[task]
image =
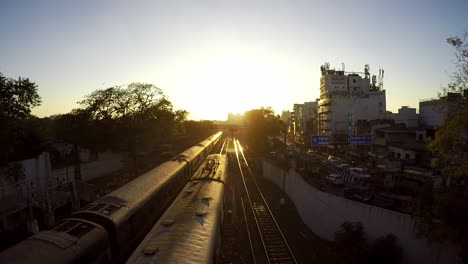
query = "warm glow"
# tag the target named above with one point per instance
(234, 82)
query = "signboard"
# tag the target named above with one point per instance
(320, 140)
(360, 140)
(338, 79)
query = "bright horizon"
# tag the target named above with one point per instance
(214, 57)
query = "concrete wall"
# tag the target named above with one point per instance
(323, 213)
(108, 162)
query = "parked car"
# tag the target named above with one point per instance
(335, 179)
(361, 194)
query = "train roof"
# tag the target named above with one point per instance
(187, 231)
(214, 167)
(71, 241)
(135, 192)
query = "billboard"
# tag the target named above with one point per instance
(320, 140)
(360, 140)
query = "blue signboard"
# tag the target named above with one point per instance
(320, 140)
(360, 140)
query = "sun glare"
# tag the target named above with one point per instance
(236, 83)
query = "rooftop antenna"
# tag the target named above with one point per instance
(342, 65)
(366, 71)
(381, 75)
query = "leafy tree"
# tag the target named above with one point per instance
(385, 250)
(135, 118)
(261, 123)
(350, 243)
(451, 140)
(17, 140)
(17, 97)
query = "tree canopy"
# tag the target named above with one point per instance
(17, 139)
(261, 123)
(17, 97)
(133, 117)
(450, 145)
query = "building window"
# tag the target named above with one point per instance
(354, 80)
(398, 155)
(407, 156)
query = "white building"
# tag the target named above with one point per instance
(407, 116)
(297, 118)
(345, 99)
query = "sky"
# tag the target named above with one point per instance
(211, 57)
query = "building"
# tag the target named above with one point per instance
(297, 119)
(400, 143)
(406, 115)
(309, 118)
(432, 111)
(346, 98)
(287, 118)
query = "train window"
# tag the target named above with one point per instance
(110, 209)
(63, 227)
(97, 207)
(80, 230)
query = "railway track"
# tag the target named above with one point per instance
(273, 241)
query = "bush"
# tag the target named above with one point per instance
(351, 246)
(385, 250)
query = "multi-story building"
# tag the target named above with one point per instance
(432, 111)
(347, 98)
(287, 118)
(309, 118)
(297, 119)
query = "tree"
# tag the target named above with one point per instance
(451, 140)
(261, 123)
(134, 118)
(385, 250)
(350, 243)
(17, 97)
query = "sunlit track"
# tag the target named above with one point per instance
(224, 147)
(274, 243)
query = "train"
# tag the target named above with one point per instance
(189, 230)
(110, 228)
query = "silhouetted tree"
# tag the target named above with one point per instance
(385, 250)
(135, 117)
(17, 97)
(451, 140)
(350, 243)
(261, 123)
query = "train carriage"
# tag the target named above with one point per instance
(121, 219)
(71, 241)
(188, 232)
